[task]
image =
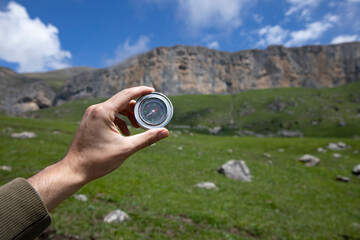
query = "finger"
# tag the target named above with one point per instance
(122, 125)
(120, 101)
(142, 140)
(133, 121)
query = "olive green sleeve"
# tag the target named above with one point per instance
(23, 215)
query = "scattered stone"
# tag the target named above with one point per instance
(337, 155)
(356, 170)
(191, 134)
(286, 133)
(342, 179)
(56, 132)
(267, 155)
(321, 150)
(23, 135)
(180, 148)
(280, 150)
(200, 153)
(229, 150)
(356, 152)
(277, 106)
(309, 160)
(314, 123)
(81, 197)
(116, 216)
(336, 146)
(236, 169)
(215, 130)
(207, 185)
(342, 124)
(6, 168)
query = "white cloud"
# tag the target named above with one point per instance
(257, 18)
(302, 6)
(28, 42)
(214, 45)
(210, 14)
(272, 35)
(127, 50)
(313, 31)
(345, 38)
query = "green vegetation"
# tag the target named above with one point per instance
(314, 112)
(156, 186)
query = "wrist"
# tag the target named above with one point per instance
(56, 183)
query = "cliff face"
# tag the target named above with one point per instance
(198, 70)
(19, 94)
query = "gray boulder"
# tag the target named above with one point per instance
(81, 197)
(116, 216)
(342, 179)
(309, 160)
(207, 185)
(286, 133)
(5, 168)
(236, 169)
(336, 146)
(23, 135)
(356, 170)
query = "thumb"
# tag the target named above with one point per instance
(145, 139)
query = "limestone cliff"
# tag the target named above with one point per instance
(199, 70)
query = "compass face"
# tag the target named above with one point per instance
(153, 111)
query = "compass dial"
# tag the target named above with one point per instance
(153, 111)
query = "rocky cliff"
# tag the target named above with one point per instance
(199, 70)
(19, 94)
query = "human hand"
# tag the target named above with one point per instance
(97, 149)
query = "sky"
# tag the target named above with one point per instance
(43, 35)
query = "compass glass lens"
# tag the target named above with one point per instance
(153, 111)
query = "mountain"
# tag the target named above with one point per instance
(198, 70)
(186, 70)
(20, 94)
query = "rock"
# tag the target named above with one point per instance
(336, 146)
(6, 168)
(277, 106)
(309, 160)
(342, 124)
(356, 151)
(286, 133)
(207, 185)
(337, 155)
(215, 130)
(116, 216)
(321, 150)
(356, 170)
(23, 135)
(81, 197)
(236, 169)
(180, 148)
(280, 150)
(229, 150)
(267, 155)
(342, 179)
(198, 70)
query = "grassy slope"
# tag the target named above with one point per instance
(249, 110)
(56, 78)
(285, 200)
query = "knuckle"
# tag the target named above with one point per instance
(97, 111)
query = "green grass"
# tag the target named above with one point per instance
(250, 110)
(285, 200)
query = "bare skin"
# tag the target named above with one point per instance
(98, 148)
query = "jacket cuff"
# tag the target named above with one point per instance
(23, 215)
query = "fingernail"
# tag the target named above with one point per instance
(162, 134)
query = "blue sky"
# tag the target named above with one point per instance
(41, 35)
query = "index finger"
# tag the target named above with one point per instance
(121, 100)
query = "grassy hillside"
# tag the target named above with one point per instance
(326, 112)
(285, 200)
(56, 79)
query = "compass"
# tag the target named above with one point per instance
(153, 111)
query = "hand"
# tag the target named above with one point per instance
(97, 149)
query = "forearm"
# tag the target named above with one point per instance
(56, 183)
